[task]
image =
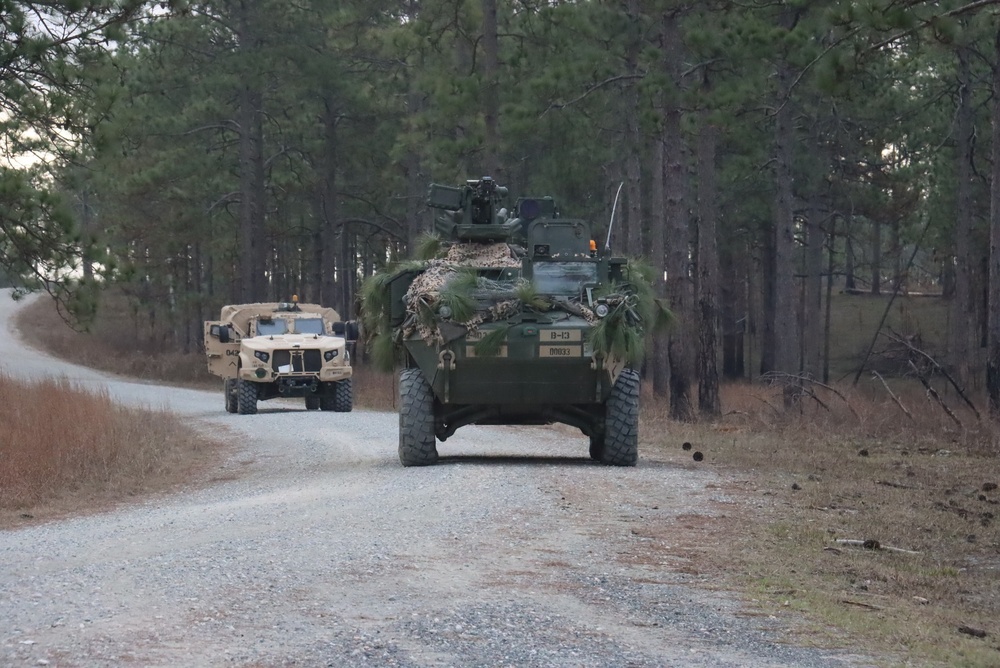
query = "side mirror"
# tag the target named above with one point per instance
(351, 330)
(221, 332)
(348, 330)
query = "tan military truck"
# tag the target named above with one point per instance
(281, 349)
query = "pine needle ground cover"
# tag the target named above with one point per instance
(878, 529)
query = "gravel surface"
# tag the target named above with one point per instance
(316, 548)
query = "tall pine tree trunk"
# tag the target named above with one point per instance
(876, 286)
(491, 111)
(993, 315)
(958, 331)
(734, 315)
(253, 254)
(786, 342)
(631, 231)
(708, 271)
(658, 366)
(681, 351)
(812, 319)
(850, 285)
(330, 235)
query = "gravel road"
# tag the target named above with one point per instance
(315, 548)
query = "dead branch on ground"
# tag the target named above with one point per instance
(776, 375)
(932, 392)
(937, 367)
(874, 545)
(893, 396)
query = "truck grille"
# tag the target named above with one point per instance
(296, 361)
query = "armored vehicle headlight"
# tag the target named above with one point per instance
(601, 310)
(330, 354)
(262, 356)
(444, 311)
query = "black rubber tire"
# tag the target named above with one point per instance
(417, 445)
(596, 447)
(327, 398)
(312, 402)
(621, 435)
(343, 396)
(229, 389)
(246, 397)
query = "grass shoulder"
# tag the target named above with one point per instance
(819, 482)
(98, 453)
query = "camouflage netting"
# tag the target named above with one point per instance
(497, 300)
(450, 280)
(481, 255)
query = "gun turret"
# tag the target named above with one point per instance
(473, 212)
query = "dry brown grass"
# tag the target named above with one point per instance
(859, 471)
(95, 454)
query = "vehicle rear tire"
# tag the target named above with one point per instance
(417, 445)
(232, 401)
(246, 397)
(621, 435)
(312, 402)
(343, 396)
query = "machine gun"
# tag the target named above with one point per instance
(475, 212)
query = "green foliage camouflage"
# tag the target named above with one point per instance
(633, 311)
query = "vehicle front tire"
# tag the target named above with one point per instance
(312, 402)
(246, 397)
(417, 446)
(232, 400)
(621, 436)
(343, 396)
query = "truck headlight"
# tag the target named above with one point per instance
(262, 356)
(601, 310)
(330, 354)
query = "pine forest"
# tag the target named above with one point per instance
(774, 158)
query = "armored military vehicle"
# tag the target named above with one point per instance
(518, 319)
(281, 349)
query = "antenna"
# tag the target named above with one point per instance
(607, 244)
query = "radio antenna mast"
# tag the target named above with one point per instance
(607, 243)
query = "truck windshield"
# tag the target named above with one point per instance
(271, 327)
(309, 326)
(563, 278)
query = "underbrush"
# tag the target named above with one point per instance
(114, 344)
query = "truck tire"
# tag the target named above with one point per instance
(232, 401)
(596, 447)
(343, 396)
(246, 397)
(312, 402)
(621, 436)
(417, 446)
(328, 397)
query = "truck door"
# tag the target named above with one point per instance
(222, 346)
